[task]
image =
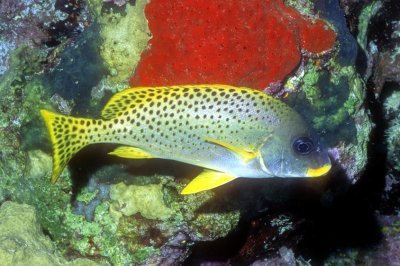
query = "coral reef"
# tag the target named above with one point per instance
(391, 105)
(23, 243)
(20, 94)
(90, 197)
(5, 50)
(330, 93)
(149, 221)
(114, 235)
(32, 23)
(122, 212)
(261, 45)
(381, 43)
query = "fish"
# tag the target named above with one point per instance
(228, 131)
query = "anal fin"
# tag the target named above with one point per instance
(208, 179)
(131, 152)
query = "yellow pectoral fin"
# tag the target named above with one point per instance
(131, 152)
(245, 155)
(208, 179)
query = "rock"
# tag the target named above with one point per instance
(23, 243)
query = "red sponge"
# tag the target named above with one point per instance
(244, 43)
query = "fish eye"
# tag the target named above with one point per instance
(303, 145)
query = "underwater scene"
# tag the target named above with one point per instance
(199, 132)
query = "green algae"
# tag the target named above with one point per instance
(310, 80)
(363, 22)
(348, 108)
(391, 108)
(97, 238)
(86, 196)
(214, 225)
(20, 93)
(331, 98)
(305, 7)
(283, 223)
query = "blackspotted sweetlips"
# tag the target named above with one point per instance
(229, 131)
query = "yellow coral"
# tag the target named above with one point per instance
(146, 200)
(124, 39)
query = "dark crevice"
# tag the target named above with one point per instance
(65, 28)
(382, 26)
(219, 250)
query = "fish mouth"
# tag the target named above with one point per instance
(314, 172)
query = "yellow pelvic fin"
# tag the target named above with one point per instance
(208, 179)
(131, 152)
(245, 155)
(67, 135)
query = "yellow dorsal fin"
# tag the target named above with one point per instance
(208, 179)
(131, 152)
(124, 100)
(131, 98)
(244, 154)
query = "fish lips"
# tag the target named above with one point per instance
(316, 172)
(324, 165)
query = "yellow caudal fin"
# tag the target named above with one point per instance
(68, 135)
(208, 179)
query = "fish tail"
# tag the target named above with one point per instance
(68, 135)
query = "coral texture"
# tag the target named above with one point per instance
(124, 39)
(249, 43)
(148, 200)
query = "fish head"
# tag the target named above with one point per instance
(294, 150)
